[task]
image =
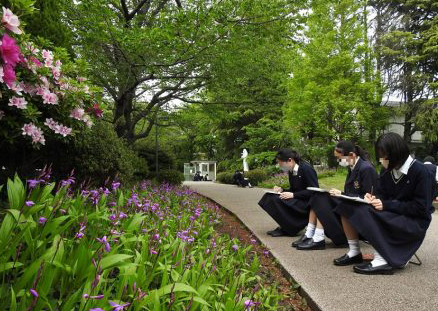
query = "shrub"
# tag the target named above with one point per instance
(225, 177)
(256, 176)
(279, 180)
(100, 154)
(172, 177)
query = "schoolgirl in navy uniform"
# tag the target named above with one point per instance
(290, 208)
(361, 179)
(397, 217)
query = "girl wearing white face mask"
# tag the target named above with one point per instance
(361, 178)
(398, 214)
(290, 208)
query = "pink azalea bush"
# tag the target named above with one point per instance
(40, 95)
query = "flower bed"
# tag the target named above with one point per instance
(148, 248)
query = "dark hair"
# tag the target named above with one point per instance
(286, 154)
(429, 159)
(394, 148)
(344, 147)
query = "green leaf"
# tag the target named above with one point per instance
(113, 260)
(9, 265)
(13, 306)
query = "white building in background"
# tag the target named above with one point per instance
(202, 166)
(396, 122)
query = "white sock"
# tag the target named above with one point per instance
(310, 230)
(378, 260)
(354, 248)
(319, 235)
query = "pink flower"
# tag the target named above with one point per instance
(77, 113)
(9, 50)
(10, 21)
(18, 102)
(42, 220)
(36, 133)
(36, 61)
(58, 128)
(56, 73)
(50, 98)
(9, 75)
(81, 79)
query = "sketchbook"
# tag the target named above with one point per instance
(270, 191)
(356, 199)
(317, 189)
(346, 197)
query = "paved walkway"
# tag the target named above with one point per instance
(331, 288)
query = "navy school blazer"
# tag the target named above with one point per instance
(306, 177)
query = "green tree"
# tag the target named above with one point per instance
(150, 52)
(334, 93)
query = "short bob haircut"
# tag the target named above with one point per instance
(391, 146)
(286, 154)
(430, 159)
(344, 147)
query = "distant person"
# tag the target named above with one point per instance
(197, 176)
(206, 177)
(290, 207)
(240, 180)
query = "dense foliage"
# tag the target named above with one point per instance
(149, 248)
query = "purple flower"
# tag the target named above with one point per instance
(33, 183)
(42, 220)
(235, 247)
(30, 203)
(34, 292)
(112, 217)
(115, 185)
(86, 296)
(80, 234)
(104, 241)
(248, 304)
(117, 307)
(123, 215)
(96, 281)
(153, 252)
(156, 237)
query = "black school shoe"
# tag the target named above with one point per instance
(367, 268)
(310, 245)
(272, 231)
(303, 238)
(345, 260)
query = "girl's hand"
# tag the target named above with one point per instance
(286, 195)
(378, 205)
(369, 197)
(335, 192)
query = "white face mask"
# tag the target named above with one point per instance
(284, 168)
(343, 162)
